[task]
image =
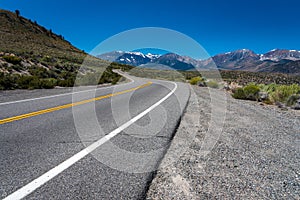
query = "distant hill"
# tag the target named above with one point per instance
(292, 67)
(278, 61)
(33, 57)
(243, 59)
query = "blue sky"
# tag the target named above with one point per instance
(218, 25)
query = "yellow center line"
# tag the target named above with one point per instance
(48, 110)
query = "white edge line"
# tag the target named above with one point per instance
(38, 182)
(66, 94)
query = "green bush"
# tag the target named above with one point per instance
(108, 76)
(268, 88)
(195, 80)
(288, 94)
(212, 84)
(283, 92)
(34, 83)
(48, 59)
(41, 72)
(268, 101)
(7, 82)
(69, 82)
(115, 80)
(12, 59)
(16, 67)
(251, 92)
(28, 82)
(48, 83)
(239, 94)
(292, 99)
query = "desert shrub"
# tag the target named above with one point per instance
(292, 99)
(267, 101)
(35, 83)
(12, 59)
(7, 82)
(212, 84)
(41, 72)
(3, 82)
(28, 82)
(269, 88)
(48, 59)
(115, 80)
(195, 80)
(24, 81)
(69, 82)
(108, 76)
(283, 92)
(48, 83)
(288, 94)
(17, 67)
(243, 77)
(239, 94)
(251, 91)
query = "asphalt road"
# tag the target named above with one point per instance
(100, 147)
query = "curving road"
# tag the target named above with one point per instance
(100, 143)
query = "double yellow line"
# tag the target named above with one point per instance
(40, 112)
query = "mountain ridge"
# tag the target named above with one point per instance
(277, 60)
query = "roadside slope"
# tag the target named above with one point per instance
(34, 57)
(21, 36)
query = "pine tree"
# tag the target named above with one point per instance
(17, 13)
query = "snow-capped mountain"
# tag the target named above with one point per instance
(237, 59)
(283, 61)
(280, 54)
(166, 61)
(273, 61)
(175, 61)
(130, 58)
(152, 56)
(235, 56)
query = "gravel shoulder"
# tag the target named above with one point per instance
(256, 156)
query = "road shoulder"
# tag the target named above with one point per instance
(256, 157)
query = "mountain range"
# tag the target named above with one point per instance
(277, 61)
